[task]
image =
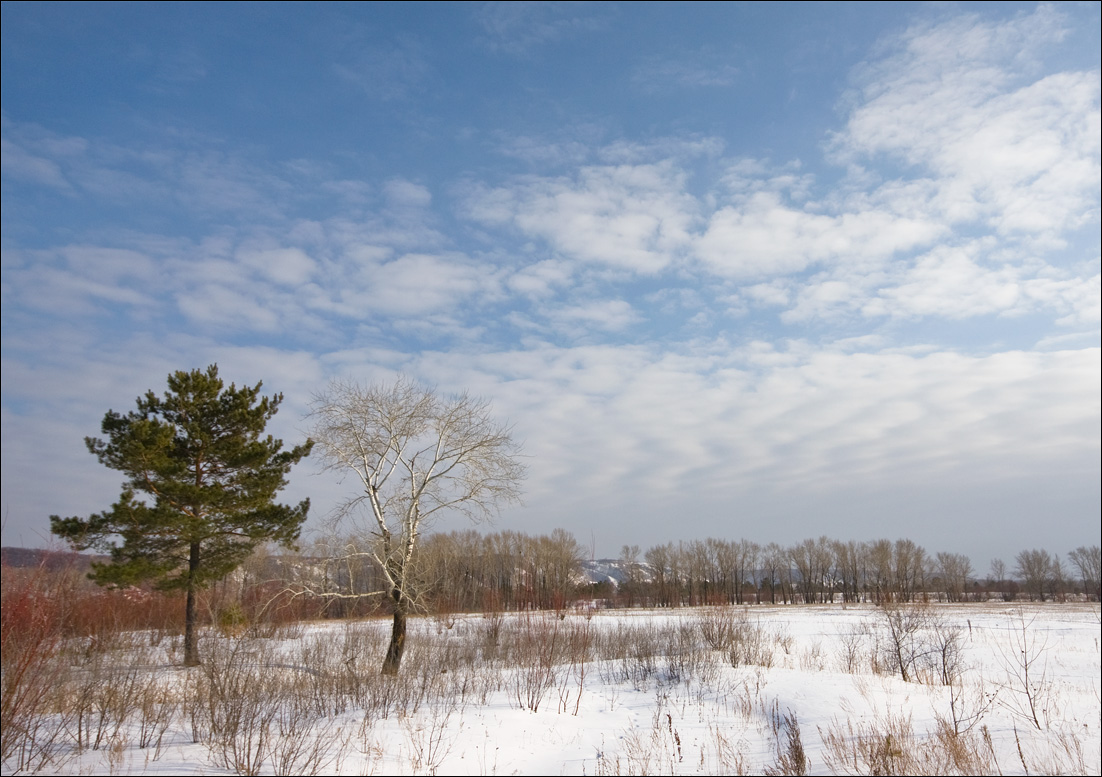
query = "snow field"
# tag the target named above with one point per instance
(818, 689)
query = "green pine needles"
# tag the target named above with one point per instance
(200, 489)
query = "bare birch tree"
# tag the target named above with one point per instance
(417, 455)
(1034, 569)
(954, 569)
(1088, 560)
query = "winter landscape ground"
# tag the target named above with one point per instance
(991, 688)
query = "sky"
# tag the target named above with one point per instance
(762, 271)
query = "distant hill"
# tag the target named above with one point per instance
(52, 560)
(602, 570)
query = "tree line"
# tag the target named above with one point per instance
(717, 571)
(469, 571)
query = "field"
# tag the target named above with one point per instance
(820, 689)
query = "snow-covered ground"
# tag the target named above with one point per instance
(690, 691)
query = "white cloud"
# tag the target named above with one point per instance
(1005, 147)
(613, 315)
(283, 266)
(541, 279)
(407, 194)
(1084, 302)
(713, 424)
(631, 217)
(746, 176)
(89, 280)
(117, 265)
(412, 284)
(22, 164)
(774, 293)
(219, 307)
(763, 237)
(988, 145)
(950, 282)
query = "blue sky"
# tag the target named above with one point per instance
(731, 270)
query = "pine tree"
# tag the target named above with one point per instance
(199, 493)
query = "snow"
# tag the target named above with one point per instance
(668, 705)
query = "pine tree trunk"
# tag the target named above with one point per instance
(191, 645)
